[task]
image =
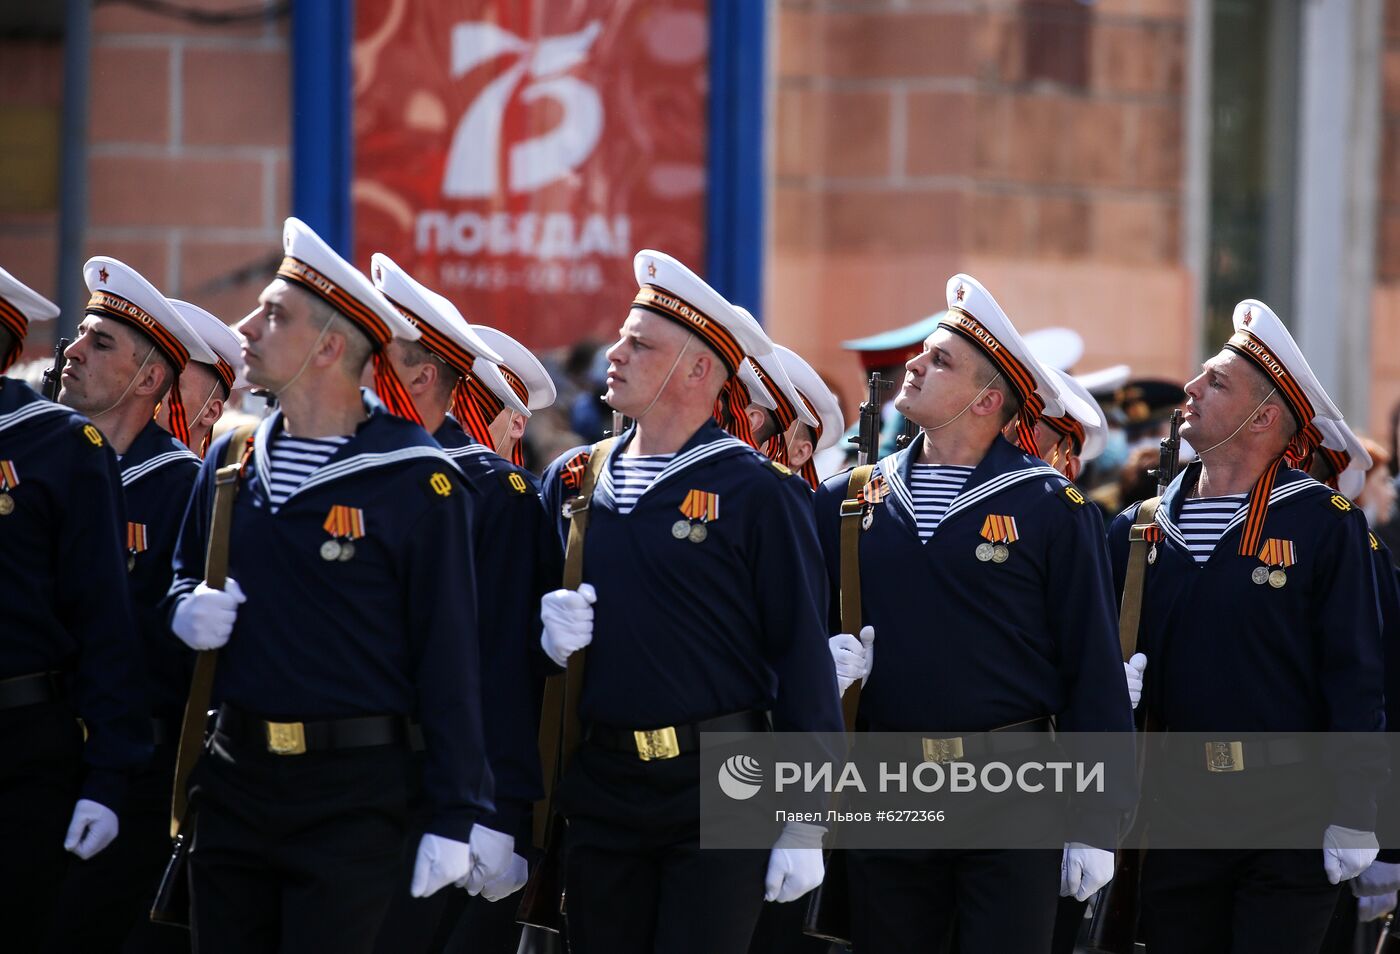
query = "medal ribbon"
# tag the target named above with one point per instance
(1278, 553)
(999, 529)
(348, 522)
(9, 477)
(701, 505)
(136, 537)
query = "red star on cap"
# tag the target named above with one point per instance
(651, 269)
(1248, 316)
(962, 290)
(102, 273)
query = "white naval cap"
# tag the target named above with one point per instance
(975, 315)
(1091, 431)
(19, 305)
(1057, 348)
(758, 374)
(1262, 339)
(121, 292)
(444, 331)
(220, 338)
(1105, 380)
(1349, 459)
(815, 396)
(668, 288)
(518, 380)
(312, 264)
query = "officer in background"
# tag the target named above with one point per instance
(685, 520)
(350, 608)
(512, 550)
(69, 650)
(133, 348)
(1259, 613)
(987, 605)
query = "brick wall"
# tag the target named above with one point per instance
(189, 156)
(1036, 144)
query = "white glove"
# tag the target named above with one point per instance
(1346, 852)
(440, 862)
(1133, 669)
(204, 619)
(491, 854)
(1374, 906)
(1084, 870)
(93, 827)
(795, 864)
(511, 881)
(854, 658)
(568, 622)
(1380, 878)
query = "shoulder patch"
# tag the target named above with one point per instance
(515, 483)
(1340, 502)
(1072, 496)
(91, 434)
(1375, 544)
(780, 469)
(440, 485)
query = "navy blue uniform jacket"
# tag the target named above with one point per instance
(63, 587)
(391, 631)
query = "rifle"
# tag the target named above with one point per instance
(53, 374)
(907, 433)
(1113, 928)
(867, 439)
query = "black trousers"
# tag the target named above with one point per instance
(296, 853)
(908, 901)
(482, 927)
(105, 902)
(41, 750)
(779, 931)
(636, 880)
(1235, 902)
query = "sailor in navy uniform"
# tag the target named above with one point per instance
(68, 647)
(207, 387)
(350, 609)
(1002, 544)
(702, 604)
(1342, 462)
(513, 550)
(784, 420)
(1281, 568)
(132, 349)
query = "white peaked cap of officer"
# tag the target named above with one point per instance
(1338, 436)
(316, 267)
(426, 306)
(1057, 348)
(967, 299)
(221, 339)
(1095, 426)
(810, 385)
(516, 362)
(730, 331)
(1261, 337)
(758, 385)
(121, 292)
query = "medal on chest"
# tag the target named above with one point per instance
(345, 525)
(700, 508)
(135, 543)
(9, 480)
(998, 533)
(1276, 556)
(871, 495)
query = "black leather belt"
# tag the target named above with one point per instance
(30, 690)
(669, 741)
(298, 738)
(1017, 737)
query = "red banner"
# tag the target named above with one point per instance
(513, 155)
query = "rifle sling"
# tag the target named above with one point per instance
(560, 728)
(196, 717)
(1130, 611)
(852, 512)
